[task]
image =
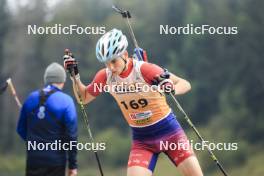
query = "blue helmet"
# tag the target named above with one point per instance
(111, 45)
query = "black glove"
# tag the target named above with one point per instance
(70, 63)
(164, 83)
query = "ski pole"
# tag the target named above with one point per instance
(84, 113)
(127, 16)
(198, 134)
(5, 85)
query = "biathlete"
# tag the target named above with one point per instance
(152, 121)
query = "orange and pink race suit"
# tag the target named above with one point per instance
(146, 111)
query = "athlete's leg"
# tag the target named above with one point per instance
(190, 167)
(141, 162)
(183, 156)
(138, 170)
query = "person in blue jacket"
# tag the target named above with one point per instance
(48, 125)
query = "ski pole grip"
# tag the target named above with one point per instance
(126, 14)
(67, 54)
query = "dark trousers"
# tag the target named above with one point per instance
(45, 171)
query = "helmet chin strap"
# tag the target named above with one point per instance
(125, 61)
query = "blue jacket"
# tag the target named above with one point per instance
(55, 121)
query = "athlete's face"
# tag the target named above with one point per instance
(116, 66)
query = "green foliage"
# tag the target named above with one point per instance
(117, 147)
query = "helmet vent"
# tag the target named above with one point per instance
(102, 49)
(122, 48)
(114, 52)
(114, 42)
(108, 44)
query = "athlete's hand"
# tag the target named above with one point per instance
(72, 172)
(164, 83)
(70, 63)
